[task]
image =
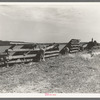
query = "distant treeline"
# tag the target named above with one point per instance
(5, 43)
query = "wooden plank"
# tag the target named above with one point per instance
(13, 52)
(30, 60)
(76, 45)
(25, 48)
(74, 48)
(2, 63)
(30, 48)
(17, 50)
(75, 41)
(14, 48)
(52, 55)
(73, 51)
(52, 46)
(3, 54)
(50, 52)
(22, 50)
(19, 61)
(20, 56)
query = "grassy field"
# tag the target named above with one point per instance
(72, 73)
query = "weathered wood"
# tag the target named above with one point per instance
(20, 52)
(13, 47)
(20, 61)
(50, 52)
(20, 56)
(52, 55)
(3, 54)
(74, 41)
(76, 45)
(73, 51)
(75, 48)
(16, 50)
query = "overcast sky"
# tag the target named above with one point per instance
(50, 22)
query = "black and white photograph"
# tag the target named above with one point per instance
(50, 48)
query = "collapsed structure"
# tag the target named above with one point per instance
(71, 47)
(30, 52)
(24, 53)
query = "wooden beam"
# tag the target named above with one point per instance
(17, 50)
(20, 56)
(52, 55)
(3, 54)
(74, 48)
(76, 45)
(19, 61)
(22, 50)
(50, 52)
(73, 51)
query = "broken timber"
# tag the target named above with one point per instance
(71, 47)
(26, 52)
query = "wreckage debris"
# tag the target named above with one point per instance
(30, 52)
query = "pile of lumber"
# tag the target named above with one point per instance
(74, 45)
(71, 47)
(24, 53)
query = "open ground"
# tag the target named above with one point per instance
(71, 73)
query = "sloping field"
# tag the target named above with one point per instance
(72, 73)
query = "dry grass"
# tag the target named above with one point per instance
(71, 73)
